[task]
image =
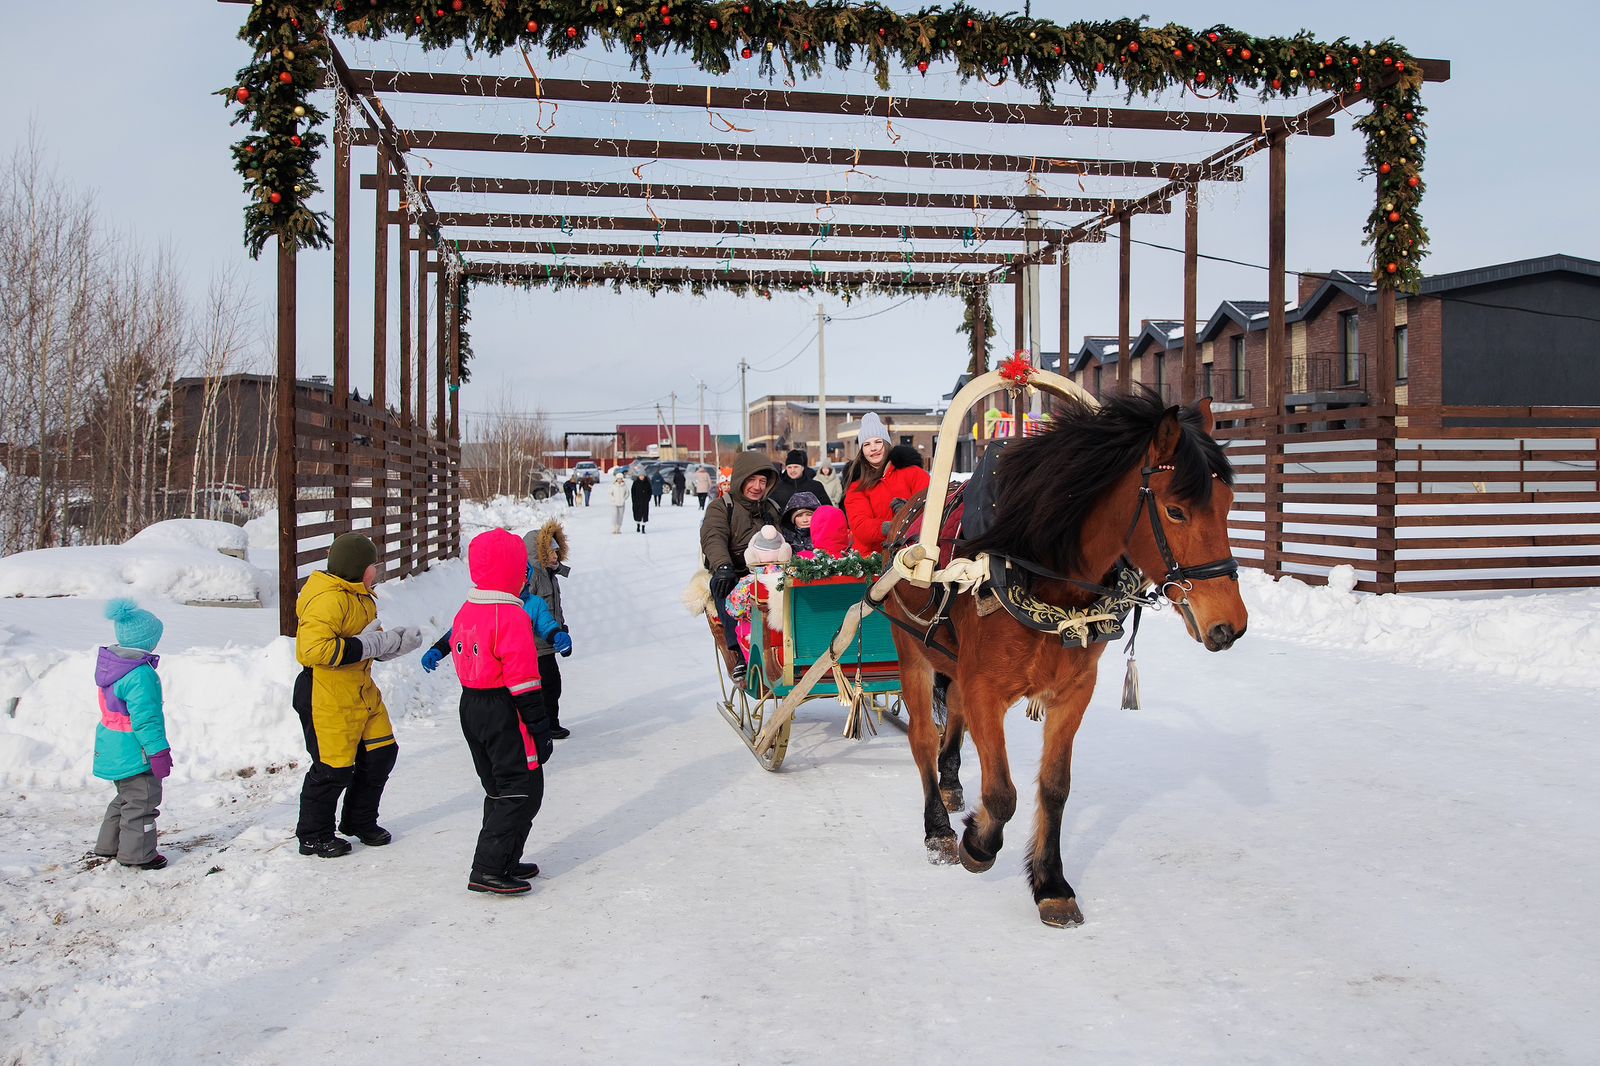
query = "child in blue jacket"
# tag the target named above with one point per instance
(545, 627)
(130, 744)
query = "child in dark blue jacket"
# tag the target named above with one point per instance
(545, 627)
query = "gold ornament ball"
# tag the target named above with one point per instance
(1032, 36)
(297, 188)
(299, 112)
(1295, 73)
(288, 53)
(1413, 140)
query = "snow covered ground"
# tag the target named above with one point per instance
(1367, 833)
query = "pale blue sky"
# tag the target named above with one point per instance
(120, 94)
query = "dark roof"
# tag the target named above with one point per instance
(1106, 349)
(1158, 331)
(1250, 314)
(1522, 268)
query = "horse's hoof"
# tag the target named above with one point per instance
(942, 850)
(1060, 913)
(955, 800)
(970, 861)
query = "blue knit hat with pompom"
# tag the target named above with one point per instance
(136, 628)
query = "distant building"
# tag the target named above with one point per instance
(779, 423)
(646, 440)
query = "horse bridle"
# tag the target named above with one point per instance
(1178, 576)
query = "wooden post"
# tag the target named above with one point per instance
(1065, 367)
(1381, 390)
(1277, 352)
(405, 316)
(441, 348)
(1124, 303)
(380, 287)
(455, 357)
(340, 430)
(288, 517)
(422, 334)
(415, 509)
(1189, 390)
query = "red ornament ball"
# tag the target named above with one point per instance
(295, 140)
(286, 78)
(533, 27)
(1200, 77)
(242, 95)
(438, 12)
(666, 20)
(1399, 66)
(1393, 268)
(1133, 46)
(745, 9)
(714, 24)
(638, 38)
(1099, 68)
(1230, 52)
(1388, 61)
(1327, 61)
(923, 66)
(1058, 49)
(1413, 182)
(1245, 54)
(665, 10)
(1211, 37)
(1394, 216)
(1189, 47)
(1411, 116)
(1384, 168)
(747, 53)
(572, 31)
(882, 32)
(1005, 61)
(456, 5)
(805, 46)
(969, 24)
(1176, 54)
(276, 197)
(250, 149)
(1277, 83)
(419, 20)
(1355, 61)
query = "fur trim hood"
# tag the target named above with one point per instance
(547, 545)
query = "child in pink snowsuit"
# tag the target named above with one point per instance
(502, 709)
(765, 556)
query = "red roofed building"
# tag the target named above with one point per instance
(635, 441)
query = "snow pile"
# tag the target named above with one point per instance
(516, 513)
(170, 570)
(192, 533)
(1550, 638)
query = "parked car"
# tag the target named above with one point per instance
(544, 485)
(587, 469)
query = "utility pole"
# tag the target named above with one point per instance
(674, 426)
(744, 408)
(822, 388)
(702, 420)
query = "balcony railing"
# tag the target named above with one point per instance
(1220, 383)
(1327, 372)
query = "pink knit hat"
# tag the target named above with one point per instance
(829, 531)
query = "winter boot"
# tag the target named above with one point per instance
(157, 863)
(524, 870)
(499, 884)
(374, 836)
(326, 847)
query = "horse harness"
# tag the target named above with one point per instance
(1125, 590)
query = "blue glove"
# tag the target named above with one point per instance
(431, 659)
(562, 643)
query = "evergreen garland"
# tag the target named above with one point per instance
(824, 566)
(795, 39)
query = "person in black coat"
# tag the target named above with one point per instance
(641, 492)
(797, 477)
(680, 484)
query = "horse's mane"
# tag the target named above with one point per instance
(1049, 484)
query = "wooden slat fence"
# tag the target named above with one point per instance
(1435, 499)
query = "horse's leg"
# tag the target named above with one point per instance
(984, 713)
(950, 755)
(1058, 905)
(916, 689)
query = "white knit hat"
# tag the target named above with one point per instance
(872, 428)
(767, 547)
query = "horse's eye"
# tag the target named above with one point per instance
(1176, 514)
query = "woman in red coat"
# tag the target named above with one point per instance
(875, 483)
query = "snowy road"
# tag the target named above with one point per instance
(1294, 853)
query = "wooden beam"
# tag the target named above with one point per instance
(739, 252)
(404, 218)
(1188, 389)
(1019, 282)
(711, 152)
(1124, 303)
(746, 194)
(421, 341)
(701, 97)
(380, 287)
(729, 228)
(341, 291)
(778, 279)
(441, 350)
(288, 515)
(1272, 551)
(1065, 366)
(455, 357)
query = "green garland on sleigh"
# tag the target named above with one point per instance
(825, 566)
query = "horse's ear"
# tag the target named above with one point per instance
(1208, 421)
(1168, 434)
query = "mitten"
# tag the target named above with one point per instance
(161, 764)
(562, 643)
(431, 659)
(723, 578)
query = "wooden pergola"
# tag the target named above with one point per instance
(391, 466)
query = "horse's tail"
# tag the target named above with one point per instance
(697, 594)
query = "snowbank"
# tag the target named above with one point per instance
(193, 533)
(133, 569)
(1550, 638)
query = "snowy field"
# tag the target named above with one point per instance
(1366, 834)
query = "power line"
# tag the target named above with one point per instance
(771, 369)
(874, 314)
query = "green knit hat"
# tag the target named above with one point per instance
(350, 556)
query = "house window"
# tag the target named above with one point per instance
(1402, 355)
(1241, 380)
(1350, 346)
(1161, 373)
(1097, 381)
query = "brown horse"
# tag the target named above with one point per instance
(1132, 480)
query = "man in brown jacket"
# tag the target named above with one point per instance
(726, 530)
